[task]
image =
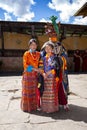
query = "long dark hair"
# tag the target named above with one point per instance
(32, 40)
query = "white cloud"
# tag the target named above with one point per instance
(7, 17)
(44, 20)
(80, 20)
(26, 17)
(21, 9)
(65, 8)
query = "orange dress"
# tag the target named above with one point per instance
(29, 82)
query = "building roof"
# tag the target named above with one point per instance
(38, 28)
(82, 11)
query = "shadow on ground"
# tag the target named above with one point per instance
(76, 113)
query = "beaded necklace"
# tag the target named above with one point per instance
(47, 58)
(33, 55)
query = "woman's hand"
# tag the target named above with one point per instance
(38, 70)
(51, 72)
(35, 69)
(44, 75)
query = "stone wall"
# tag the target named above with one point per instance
(15, 64)
(11, 64)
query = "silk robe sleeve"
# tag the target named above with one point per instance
(25, 60)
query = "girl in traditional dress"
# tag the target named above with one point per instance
(62, 90)
(29, 79)
(49, 99)
(64, 57)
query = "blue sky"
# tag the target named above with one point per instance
(41, 10)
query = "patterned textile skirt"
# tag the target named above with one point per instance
(49, 100)
(29, 88)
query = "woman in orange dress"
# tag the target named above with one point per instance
(30, 78)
